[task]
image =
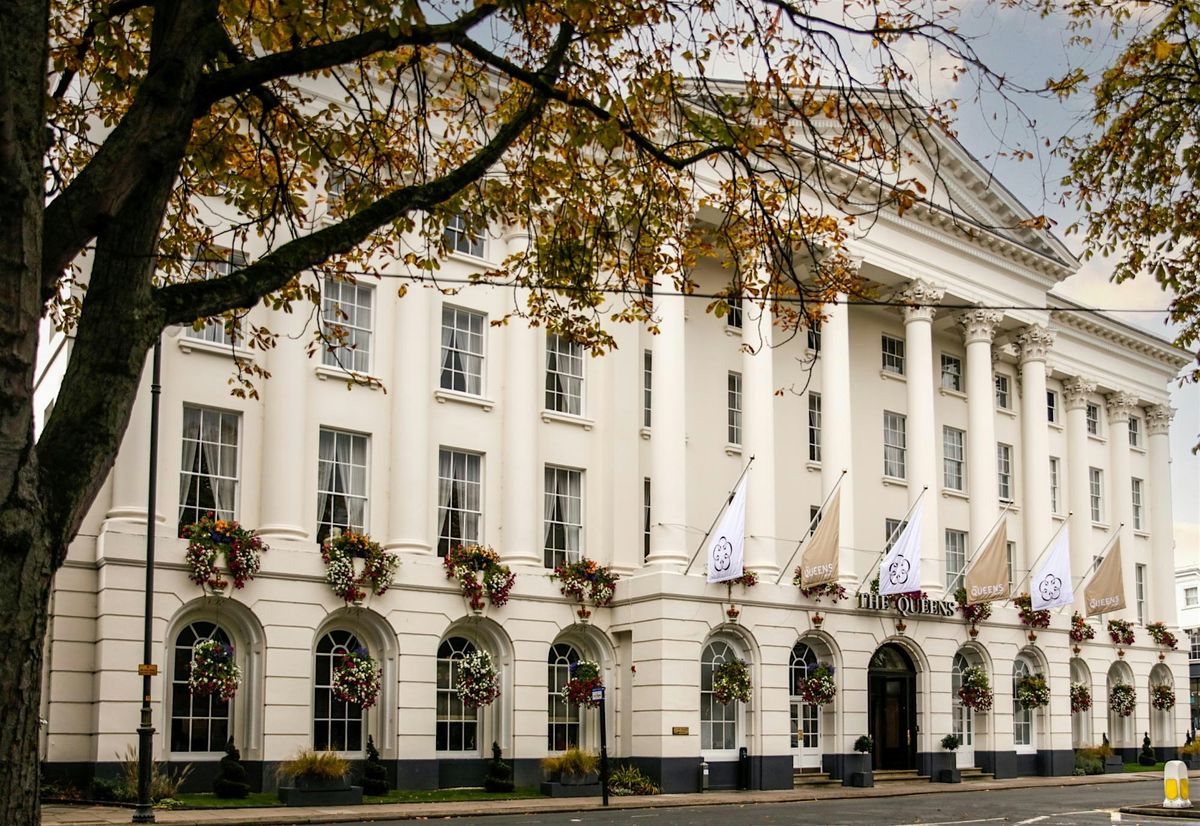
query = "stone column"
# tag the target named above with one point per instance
(284, 455)
(522, 477)
(1035, 342)
(129, 472)
(1120, 496)
(669, 546)
(1076, 392)
(1158, 497)
(410, 474)
(837, 437)
(979, 328)
(922, 433)
(758, 440)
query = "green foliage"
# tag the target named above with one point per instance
(124, 789)
(864, 744)
(627, 779)
(1088, 764)
(1191, 748)
(571, 761)
(500, 774)
(309, 763)
(950, 742)
(230, 782)
(374, 774)
(1147, 756)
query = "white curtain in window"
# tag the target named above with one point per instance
(445, 480)
(210, 438)
(191, 433)
(326, 455)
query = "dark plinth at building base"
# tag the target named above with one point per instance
(1114, 765)
(948, 776)
(861, 780)
(571, 789)
(856, 770)
(292, 796)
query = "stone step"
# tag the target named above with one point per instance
(899, 776)
(969, 775)
(811, 778)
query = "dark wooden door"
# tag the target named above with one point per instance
(893, 720)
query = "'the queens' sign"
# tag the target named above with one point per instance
(907, 605)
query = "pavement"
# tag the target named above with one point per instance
(54, 814)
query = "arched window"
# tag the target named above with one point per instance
(806, 717)
(1022, 717)
(963, 717)
(198, 723)
(457, 723)
(337, 725)
(563, 718)
(718, 723)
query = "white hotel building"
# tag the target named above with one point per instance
(514, 439)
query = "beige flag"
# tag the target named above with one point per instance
(987, 580)
(819, 564)
(1106, 591)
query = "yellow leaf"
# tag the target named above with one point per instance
(1162, 50)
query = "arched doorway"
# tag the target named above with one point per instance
(892, 698)
(963, 718)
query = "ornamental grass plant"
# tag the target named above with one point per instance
(324, 765)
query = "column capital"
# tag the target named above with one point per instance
(922, 298)
(1076, 392)
(1035, 342)
(1158, 419)
(1120, 405)
(979, 325)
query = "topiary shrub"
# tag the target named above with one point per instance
(1147, 757)
(230, 782)
(375, 779)
(500, 774)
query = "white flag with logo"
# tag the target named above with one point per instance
(1051, 585)
(901, 569)
(728, 541)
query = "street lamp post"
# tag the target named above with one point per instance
(144, 813)
(598, 694)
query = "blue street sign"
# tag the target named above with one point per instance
(598, 693)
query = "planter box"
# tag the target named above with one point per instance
(856, 771)
(323, 791)
(949, 776)
(555, 789)
(1114, 765)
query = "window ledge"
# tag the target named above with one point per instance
(444, 396)
(888, 374)
(467, 258)
(952, 493)
(730, 330)
(567, 418)
(1097, 438)
(811, 465)
(1104, 526)
(1138, 449)
(1013, 507)
(644, 433)
(1058, 517)
(1142, 533)
(325, 372)
(187, 344)
(1007, 411)
(893, 480)
(732, 450)
(1055, 426)
(957, 394)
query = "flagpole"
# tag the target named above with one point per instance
(1103, 553)
(717, 518)
(887, 545)
(986, 538)
(1017, 588)
(814, 521)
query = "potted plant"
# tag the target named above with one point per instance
(1162, 637)
(586, 580)
(975, 691)
(944, 766)
(356, 679)
(731, 681)
(833, 590)
(1147, 757)
(1121, 633)
(818, 686)
(857, 767)
(209, 538)
(230, 782)
(1081, 630)
(1162, 697)
(1030, 618)
(574, 773)
(1190, 753)
(1081, 697)
(973, 614)
(479, 573)
(478, 680)
(1032, 691)
(585, 675)
(1122, 699)
(214, 670)
(317, 778)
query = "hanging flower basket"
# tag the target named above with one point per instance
(975, 692)
(1161, 636)
(379, 566)
(586, 580)
(1029, 617)
(214, 670)
(357, 679)
(834, 591)
(479, 574)
(478, 680)
(1121, 699)
(585, 675)
(972, 613)
(1120, 632)
(211, 538)
(1080, 629)
(1162, 697)
(1032, 691)
(818, 688)
(731, 681)
(1081, 697)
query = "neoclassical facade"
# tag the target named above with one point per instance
(1042, 413)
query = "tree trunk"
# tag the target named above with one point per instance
(26, 571)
